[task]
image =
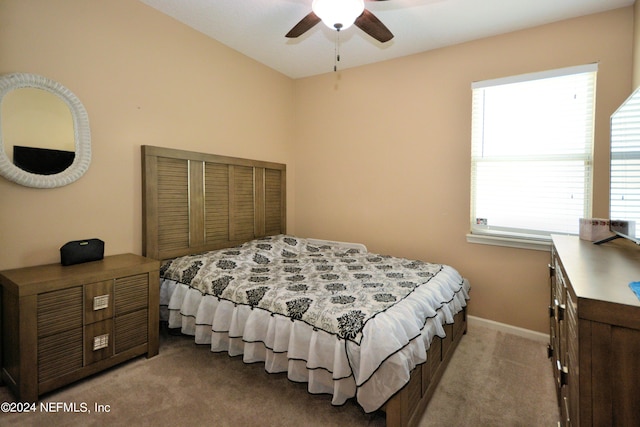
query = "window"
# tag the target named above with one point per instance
(531, 160)
(625, 165)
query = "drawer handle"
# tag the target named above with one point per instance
(559, 310)
(100, 342)
(100, 302)
(563, 373)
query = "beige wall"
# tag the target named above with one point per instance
(378, 154)
(636, 45)
(382, 153)
(144, 78)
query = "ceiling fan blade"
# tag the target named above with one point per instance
(303, 26)
(371, 25)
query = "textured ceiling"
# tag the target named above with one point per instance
(256, 28)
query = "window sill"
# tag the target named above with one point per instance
(537, 245)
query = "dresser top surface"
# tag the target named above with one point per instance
(29, 280)
(600, 272)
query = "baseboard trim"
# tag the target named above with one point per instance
(503, 327)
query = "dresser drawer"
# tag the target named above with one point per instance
(98, 301)
(131, 293)
(59, 311)
(59, 354)
(98, 341)
(131, 330)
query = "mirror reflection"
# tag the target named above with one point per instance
(37, 130)
(45, 140)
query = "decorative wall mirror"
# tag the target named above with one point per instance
(45, 141)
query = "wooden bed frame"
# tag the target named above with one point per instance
(195, 202)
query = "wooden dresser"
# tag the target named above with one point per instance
(595, 331)
(60, 324)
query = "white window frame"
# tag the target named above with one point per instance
(510, 236)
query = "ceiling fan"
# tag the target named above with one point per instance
(340, 15)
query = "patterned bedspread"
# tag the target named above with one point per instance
(338, 294)
(335, 290)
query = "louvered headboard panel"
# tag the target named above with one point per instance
(195, 202)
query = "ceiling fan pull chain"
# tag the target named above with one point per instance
(337, 50)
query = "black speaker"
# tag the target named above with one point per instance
(79, 251)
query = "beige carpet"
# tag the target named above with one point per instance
(493, 379)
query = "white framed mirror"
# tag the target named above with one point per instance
(45, 140)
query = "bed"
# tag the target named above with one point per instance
(350, 323)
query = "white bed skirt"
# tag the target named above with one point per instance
(372, 372)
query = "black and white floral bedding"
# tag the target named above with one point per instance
(348, 322)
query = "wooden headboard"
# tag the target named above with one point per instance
(195, 202)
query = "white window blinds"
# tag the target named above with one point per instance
(625, 162)
(531, 160)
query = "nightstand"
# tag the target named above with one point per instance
(63, 323)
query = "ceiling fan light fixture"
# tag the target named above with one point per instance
(338, 14)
